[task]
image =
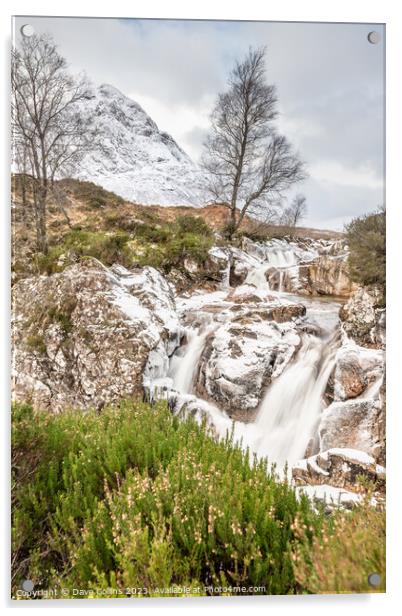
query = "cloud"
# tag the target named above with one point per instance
(335, 173)
(330, 84)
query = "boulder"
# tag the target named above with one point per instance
(326, 275)
(354, 424)
(216, 266)
(85, 336)
(340, 468)
(239, 360)
(356, 371)
(238, 273)
(363, 318)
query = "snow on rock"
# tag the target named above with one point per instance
(340, 468)
(84, 337)
(218, 422)
(241, 357)
(331, 497)
(358, 371)
(136, 160)
(305, 266)
(363, 318)
(357, 424)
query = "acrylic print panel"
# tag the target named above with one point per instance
(198, 225)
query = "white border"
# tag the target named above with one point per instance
(378, 11)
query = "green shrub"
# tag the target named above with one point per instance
(137, 497)
(351, 547)
(189, 223)
(153, 233)
(109, 248)
(188, 246)
(366, 240)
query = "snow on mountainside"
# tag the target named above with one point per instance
(137, 161)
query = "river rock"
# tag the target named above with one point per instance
(340, 468)
(363, 318)
(354, 424)
(84, 337)
(240, 358)
(326, 275)
(356, 369)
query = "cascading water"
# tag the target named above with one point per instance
(183, 367)
(256, 277)
(291, 408)
(289, 412)
(280, 259)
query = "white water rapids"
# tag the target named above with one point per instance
(183, 367)
(290, 409)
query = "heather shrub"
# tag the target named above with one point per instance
(135, 497)
(350, 549)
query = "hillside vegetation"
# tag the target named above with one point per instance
(137, 498)
(366, 236)
(86, 220)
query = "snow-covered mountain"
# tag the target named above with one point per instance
(136, 160)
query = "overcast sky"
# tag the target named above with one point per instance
(330, 83)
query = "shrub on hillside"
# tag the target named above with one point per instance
(188, 223)
(350, 549)
(366, 240)
(109, 248)
(94, 196)
(135, 497)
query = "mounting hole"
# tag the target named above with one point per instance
(27, 585)
(373, 37)
(374, 579)
(27, 30)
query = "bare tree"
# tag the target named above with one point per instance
(20, 156)
(47, 127)
(297, 210)
(249, 164)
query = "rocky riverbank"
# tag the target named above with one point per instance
(260, 344)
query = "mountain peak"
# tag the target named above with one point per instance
(108, 90)
(138, 161)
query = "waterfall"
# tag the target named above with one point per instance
(183, 367)
(282, 260)
(289, 412)
(291, 407)
(256, 277)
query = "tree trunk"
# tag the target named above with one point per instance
(41, 233)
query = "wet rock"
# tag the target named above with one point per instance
(244, 297)
(191, 266)
(363, 318)
(327, 275)
(287, 312)
(84, 337)
(357, 369)
(239, 360)
(238, 273)
(216, 266)
(274, 278)
(350, 379)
